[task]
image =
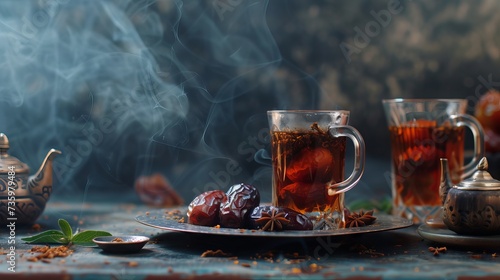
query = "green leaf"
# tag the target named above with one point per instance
(49, 236)
(65, 228)
(65, 236)
(85, 237)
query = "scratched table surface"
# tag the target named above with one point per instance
(394, 254)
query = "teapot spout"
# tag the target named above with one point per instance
(445, 182)
(40, 184)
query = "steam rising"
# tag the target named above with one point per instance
(126, 88)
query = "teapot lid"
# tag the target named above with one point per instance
(481, 180)
(8, 162)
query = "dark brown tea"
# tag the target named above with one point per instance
(416, 150)
(305, 163)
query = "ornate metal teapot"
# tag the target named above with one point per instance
(473, 206)
(23, 197)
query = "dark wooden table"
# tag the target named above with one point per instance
(395, 254)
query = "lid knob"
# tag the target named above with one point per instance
(4, 141)
(483, 164)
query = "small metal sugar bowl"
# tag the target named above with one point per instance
(471, 207)
(23, 197)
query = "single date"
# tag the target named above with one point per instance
(239, 202)
(204, 209)
(294, 219)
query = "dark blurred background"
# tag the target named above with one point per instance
(130, 88)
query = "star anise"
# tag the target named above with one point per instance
(436, 250)
(360, 219)
(275, 220)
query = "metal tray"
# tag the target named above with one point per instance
(164, 219)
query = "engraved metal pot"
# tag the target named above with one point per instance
(471, 207)
(23, 197)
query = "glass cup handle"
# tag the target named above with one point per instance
(359, 157)
(478, 134)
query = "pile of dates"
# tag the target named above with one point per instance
(239, 208)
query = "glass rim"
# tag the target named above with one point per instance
(309, 111)
(415, 100)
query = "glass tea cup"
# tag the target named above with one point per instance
(421, 132)
(308, 158)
